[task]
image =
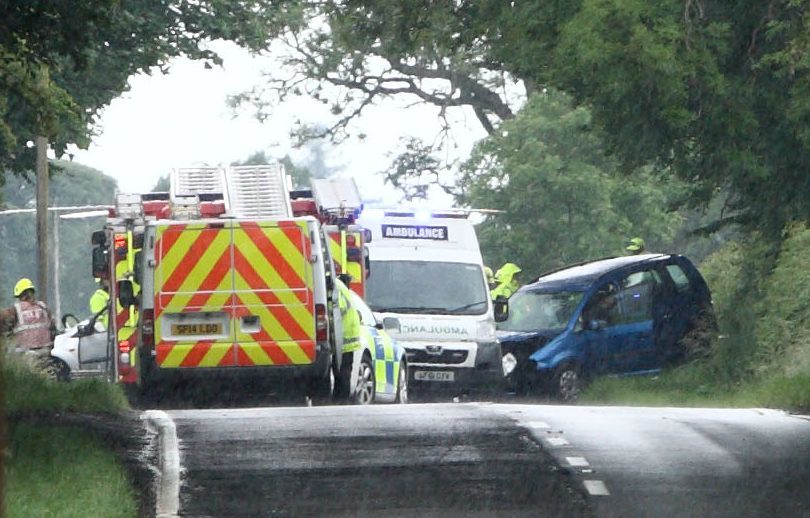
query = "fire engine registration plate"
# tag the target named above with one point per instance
(434, 375)
(196, 329)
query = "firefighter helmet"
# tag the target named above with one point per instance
(22, 286)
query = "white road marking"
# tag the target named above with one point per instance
(577, 462)
(557, 441)
(168, 490)
(596, 488)
(538, 424)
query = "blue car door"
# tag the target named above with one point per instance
(633, 336)
(676, 308)
(602, 330)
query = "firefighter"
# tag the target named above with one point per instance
(507, 281)
(31, 324)
(634, 246)
(99, 300)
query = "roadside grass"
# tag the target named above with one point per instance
(688, 387)
(29, 392)
(61, 470)
(65, 472)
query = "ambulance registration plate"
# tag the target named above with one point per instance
(196, 329)
(434, 375)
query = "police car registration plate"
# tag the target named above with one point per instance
(434, 375)
(196, 329)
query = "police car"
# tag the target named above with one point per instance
(377, 370)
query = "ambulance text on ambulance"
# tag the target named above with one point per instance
(414, 232)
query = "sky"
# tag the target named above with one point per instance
(181, 119)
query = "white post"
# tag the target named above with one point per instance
(57, 298)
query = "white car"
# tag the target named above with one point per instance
(81, 350)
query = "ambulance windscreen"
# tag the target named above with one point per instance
(422, 287)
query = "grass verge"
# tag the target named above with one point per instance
(66, 472)
(692, 386)
(28, 392)
(58, 469)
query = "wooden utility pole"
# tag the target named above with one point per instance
(42, 217)
(41, 143)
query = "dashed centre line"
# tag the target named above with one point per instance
(577, 462)
(557, 441)
(596, 488)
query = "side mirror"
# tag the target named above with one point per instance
(391, 324)
(69, 316)
(100, 263)
(126, 294)
(98, 238)
(84, 330)
(501, 309)
(366, 235)
(98, 327)
(367, 260)
(594, 325)
(138, 268)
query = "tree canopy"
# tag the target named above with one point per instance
(61, 62)
(561, 197)
(717, 94)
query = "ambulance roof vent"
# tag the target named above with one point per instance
(258, 191)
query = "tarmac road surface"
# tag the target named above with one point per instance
(481, 459)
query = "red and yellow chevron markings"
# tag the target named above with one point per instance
(258, 274)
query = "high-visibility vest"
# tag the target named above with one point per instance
(98, 301)
(33, 329)
(351, 321)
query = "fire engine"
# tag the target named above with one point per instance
(231, 273)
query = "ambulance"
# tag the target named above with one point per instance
(427, 276)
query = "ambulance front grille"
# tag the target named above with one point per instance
(445, 357)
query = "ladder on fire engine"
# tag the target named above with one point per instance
(248, 191)
(258, 191)
(337, 198)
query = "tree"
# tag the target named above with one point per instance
(163, 184)
(561, 198)
(369, 50)
(717, 94)
(61, 62)
(76, 185)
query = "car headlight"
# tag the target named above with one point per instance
(509, 363)
(486, 331)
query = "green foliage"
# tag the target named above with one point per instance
(72, 185)
(163, 184)
(717, 94)
(30, 392)
(66, 472)
(562, 198)
(61, 62)
(783, 329)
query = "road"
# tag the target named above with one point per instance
(481, 459)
